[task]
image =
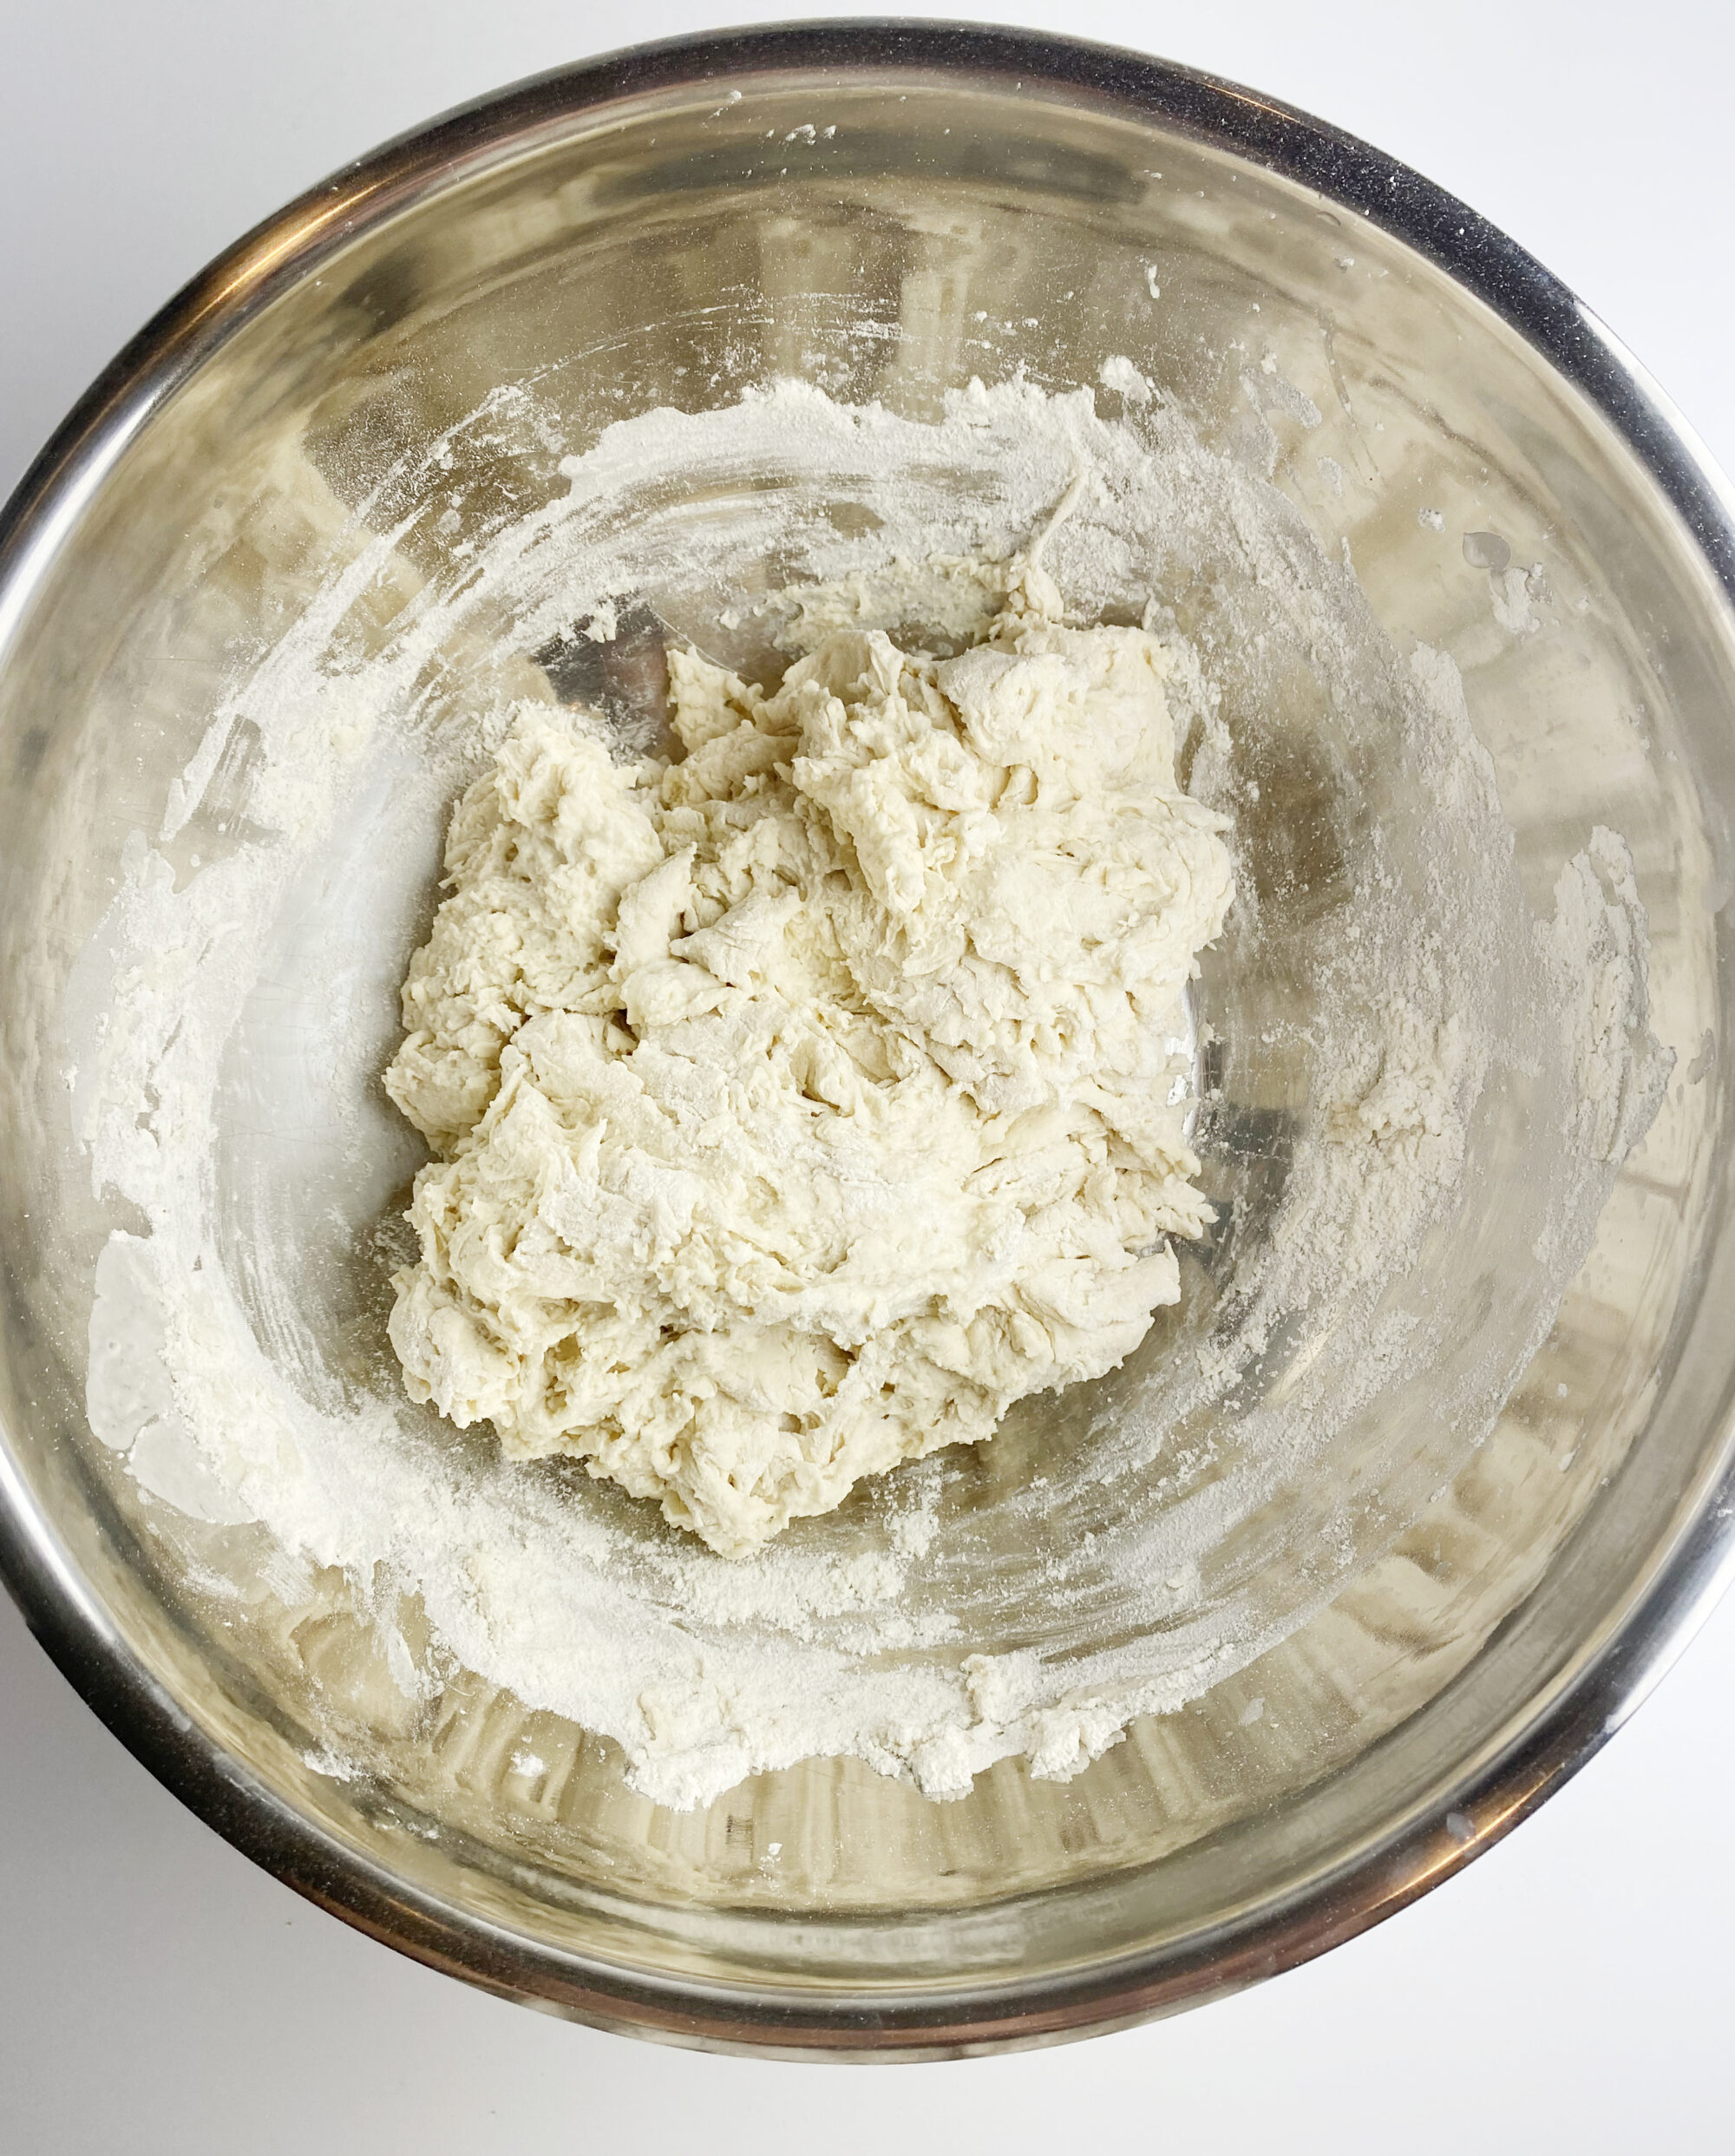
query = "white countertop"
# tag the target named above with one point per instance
(1570, 1990)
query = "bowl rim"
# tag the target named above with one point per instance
(1384, 1876)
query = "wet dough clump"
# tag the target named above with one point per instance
(802, 1103)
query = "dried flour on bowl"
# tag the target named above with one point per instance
(254, 956)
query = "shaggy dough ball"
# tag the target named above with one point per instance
(803, 1103)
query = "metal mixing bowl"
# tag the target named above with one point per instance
(684, 220)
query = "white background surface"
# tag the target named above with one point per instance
(158, 1994)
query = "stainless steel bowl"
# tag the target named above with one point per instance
(682, 218)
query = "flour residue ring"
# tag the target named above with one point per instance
(1383, 999)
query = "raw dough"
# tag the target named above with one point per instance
(805, 1102)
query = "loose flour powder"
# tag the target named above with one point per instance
(1380, 1020)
